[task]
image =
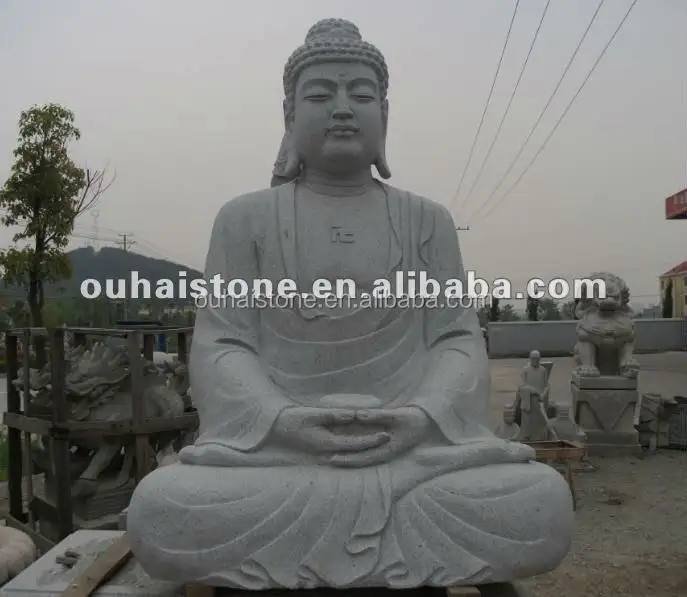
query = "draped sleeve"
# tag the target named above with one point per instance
(455, 389)
(237, 402)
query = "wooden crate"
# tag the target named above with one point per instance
(560, 451)
(551, 451)
(62, 430)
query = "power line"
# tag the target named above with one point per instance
(565, 112)
(545, 109)
(486, 107)
(510, 102)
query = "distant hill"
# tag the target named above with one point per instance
(109, 263)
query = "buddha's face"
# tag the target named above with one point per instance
(338, 118)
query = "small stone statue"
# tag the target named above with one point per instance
(533, 395)
(565, 426)
(508, 429)
(343, 447)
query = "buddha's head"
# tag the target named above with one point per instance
(335, 105)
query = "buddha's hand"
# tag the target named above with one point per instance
(407, 427)
(319, 431)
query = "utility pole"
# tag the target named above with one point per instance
(125, 242)
(126, 245)
(96, 231)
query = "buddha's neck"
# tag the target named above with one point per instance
(325, 184)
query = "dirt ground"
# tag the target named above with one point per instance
(631, 535)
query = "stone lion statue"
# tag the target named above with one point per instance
(606, 331)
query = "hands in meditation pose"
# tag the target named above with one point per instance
(343, 447)
(348, 437)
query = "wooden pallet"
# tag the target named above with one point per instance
(560, 451)
(102, 569)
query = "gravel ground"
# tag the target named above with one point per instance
(631, 535)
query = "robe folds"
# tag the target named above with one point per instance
(245, 511)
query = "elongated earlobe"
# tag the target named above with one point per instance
(380, 162)
(288, 164)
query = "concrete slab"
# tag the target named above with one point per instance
(47, 578)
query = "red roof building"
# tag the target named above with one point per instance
(674, 282)
(678, 270)
(676, 206)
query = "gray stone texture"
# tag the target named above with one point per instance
(607, 417)
(343, 446)
(47, 578)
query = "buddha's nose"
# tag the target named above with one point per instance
(342, 107)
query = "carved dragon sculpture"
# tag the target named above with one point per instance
(98, 388)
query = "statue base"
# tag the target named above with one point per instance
(495, 590)
(605, 407)
(48, 578)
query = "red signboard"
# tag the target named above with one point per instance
(676, 206)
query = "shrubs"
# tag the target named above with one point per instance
(4, 454)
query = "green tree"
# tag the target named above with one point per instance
(548, 310)
(19, 314)
(532, 309)
(483, 316)
(508, 314)
(667, 305)
(494, 309)
(5, 322)
(58, 312)
(568, 310)
(44, 195)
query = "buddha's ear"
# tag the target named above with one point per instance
(380, 162)
(288, 164)
(287, 117)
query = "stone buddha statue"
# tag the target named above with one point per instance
(343, 447)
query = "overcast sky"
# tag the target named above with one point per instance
(183, 99)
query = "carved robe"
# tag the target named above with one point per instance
(266, 516)
(533, 392)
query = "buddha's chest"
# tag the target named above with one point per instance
(345, 240)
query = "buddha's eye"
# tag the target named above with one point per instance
(317, 97)
(364, 97)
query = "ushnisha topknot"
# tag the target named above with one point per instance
(334, 40)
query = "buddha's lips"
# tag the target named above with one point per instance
(343, 131)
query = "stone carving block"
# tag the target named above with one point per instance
(343, 447)
(48, 578)
(605, 382)
(607, 417)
